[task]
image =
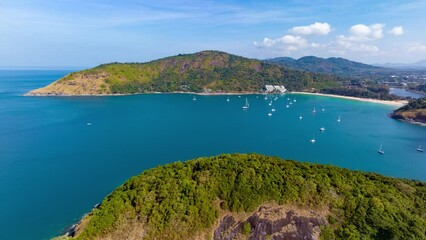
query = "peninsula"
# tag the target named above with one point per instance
(202, 72)
(251, 196)
(413, 112)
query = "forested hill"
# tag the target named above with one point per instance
(219, 198)
(206, 71)
(339, 66)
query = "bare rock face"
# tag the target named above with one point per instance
(273, 223)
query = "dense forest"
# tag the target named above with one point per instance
(183, 199)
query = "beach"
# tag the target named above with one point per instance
(396, 103)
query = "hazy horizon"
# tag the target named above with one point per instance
(78, 33)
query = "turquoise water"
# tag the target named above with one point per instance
(54, 167)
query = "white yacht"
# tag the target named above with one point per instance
(381, 151)
(247, 105)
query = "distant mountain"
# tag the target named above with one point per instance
(339, 66)
(420, 65)
(206, 71)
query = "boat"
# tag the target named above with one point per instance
(323, 109)
(291, 103)
(287, 106)
(294, 100)
(194, 98)
(420, 149)
(314, 111)
(288, 99)
(313, 139)
(89, 124)
(381, 150)
(270, 103)
(322, 129)
(338, 119)
(239, 95)
(273, 109)
(269, 114)
(300, 117)
(247, 105)
(227, 99)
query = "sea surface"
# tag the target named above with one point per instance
(59, 156)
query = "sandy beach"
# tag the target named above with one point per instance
(396, 103)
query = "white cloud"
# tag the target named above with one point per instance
(287, 42)
(313, 29)
(416, 47)
(361, 32)
(345, 43)
(397, 31)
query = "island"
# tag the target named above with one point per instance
(414, 112)
(252, 196)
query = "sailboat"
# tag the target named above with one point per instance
(420, 149)
(381, 150)
(266, 97)
(194, 98)
(338, 119)
(273, 109)
(313, 139)
(314, 111)
(323, 109)
(227, 99)
(300, 117)
(247, 105)
(270, 103)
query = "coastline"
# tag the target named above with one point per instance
(396, 103)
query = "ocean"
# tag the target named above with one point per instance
(59, 156)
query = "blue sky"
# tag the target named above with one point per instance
(86, 33)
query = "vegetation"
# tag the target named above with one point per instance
(207, 71)
(337, 66)
(414, 111)
(180, 200)
(375, 92)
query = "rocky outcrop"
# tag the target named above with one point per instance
(272, 223)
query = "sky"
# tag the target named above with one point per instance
(86, 33)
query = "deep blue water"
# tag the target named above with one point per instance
(54, 167)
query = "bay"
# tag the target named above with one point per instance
(54, 166)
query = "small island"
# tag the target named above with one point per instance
(413, 112)
(251, 196)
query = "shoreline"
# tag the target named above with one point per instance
(396, 103)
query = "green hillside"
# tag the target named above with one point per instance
(187, 200)
(207, 71)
